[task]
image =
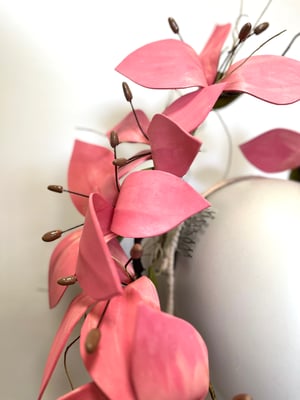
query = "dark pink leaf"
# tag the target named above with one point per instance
(62, 263)
(190, 110)
(210, 55)
(89, 391)
(128, 129)
(96, 271)
(153, 202)
(274, 151)
(109, 363)
(173, 149)
(165, 64)
(76, 309)
(271, 78)
(91, 170)
(170, 358)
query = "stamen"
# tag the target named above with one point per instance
(114, 139)
(120, 162)
(94, 335)
(60, 189)
(174, 27)
(128, 97)
(244, 32)
(291, 43)
(67, 280)
(65, 361)
(56, 233)
(261, 28)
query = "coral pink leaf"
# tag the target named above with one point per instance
(91, 170)
(190, 110)
(128, 129)
(153, 202)
(108, 365)
(165, 64)
(170, 358)
(76, 309)
(271, 78)
(173, 149)
(89, 391)
(210, 55)
(274, 151)
(62, 263)
(96, 271)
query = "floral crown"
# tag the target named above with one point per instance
(129, 346)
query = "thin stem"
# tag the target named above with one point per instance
(138, 122)
(116, 172)
(262, 13)
(65, 361)
(103, 313)
(212, 392)
(291, 43)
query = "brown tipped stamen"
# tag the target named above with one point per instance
(261, 28)
(120, 162)
(114, 139)
(92, 340)
(67, 280)
(136, 251)
(242, 396)
(56, 233)
(128, 97)
(127, 92)
(245, 32)
(174, 27)
(60, 189)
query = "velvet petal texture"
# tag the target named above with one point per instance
(169, 359)
(76, 309)
(274, 151)
(96, 270)
(91, 170)
(128, 129)
(89, 391)
(173, 149)
(108, 365)
(274, 79)
(62, 263)
(153, 202)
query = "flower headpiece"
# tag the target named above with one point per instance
(130, 347)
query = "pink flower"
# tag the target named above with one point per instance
(274, 151)
(173, 64)
(141, 350)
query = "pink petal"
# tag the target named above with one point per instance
(91, 170)
(96, 271)
(271, 78)
(128, 129)
(75, 311)
(274, 151)
(190, 110)
(62, 263)
(173, 149)
(88, 391)
(170, 358)
(153, 202)
(109, 364)
(165, 64)
(210, 55)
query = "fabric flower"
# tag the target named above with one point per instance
(173, 64)
(274, 151)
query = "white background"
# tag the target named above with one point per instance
(56, 74)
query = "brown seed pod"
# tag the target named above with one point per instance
(244, 32)
(173, 25)
(92, 340)
(261, 28)
(52, 235)
(127, 92)
(67, 280)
